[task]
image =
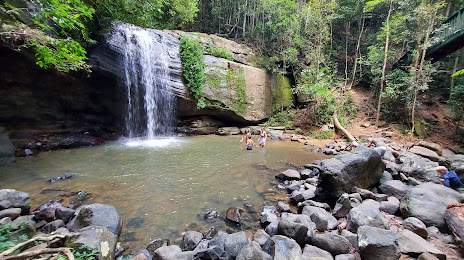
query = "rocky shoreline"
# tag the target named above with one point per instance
(353, 206)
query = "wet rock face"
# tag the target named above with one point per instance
(40, 98)
(361, 168)
(6, 148)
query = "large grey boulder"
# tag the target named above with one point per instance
(253, 252)
(191, 240)
(97, 238)
(376, 243)
(368, 213)
(394, 188)
(332, 243)
(361, 168)
(391, 205)
(6, 148)
(313, 251)
(282, 248)
(428, 203)
(414, 245)
(97, 215)
(10, 198)
(292, 229)
(289, 175)
(233, 243)
(342, 206)
(416, 166)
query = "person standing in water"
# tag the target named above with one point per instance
(262, 138)
(245, 134)
(249, 143)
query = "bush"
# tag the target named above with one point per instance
(320, 135)
(220, 53)
(191, 54)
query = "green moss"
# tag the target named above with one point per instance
(214, 79)
(282, 96)
(236, 81)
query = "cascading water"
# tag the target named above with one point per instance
(150, 101)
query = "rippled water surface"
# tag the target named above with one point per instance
(161, 187)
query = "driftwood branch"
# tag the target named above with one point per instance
(64, 250)
(338, 126)
(20, 245)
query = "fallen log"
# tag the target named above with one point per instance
(339, 126)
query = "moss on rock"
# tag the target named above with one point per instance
(282, 96)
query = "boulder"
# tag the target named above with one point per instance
(6, 148)
(332, 222)
(342, 206)
(428, 203)
(282, 248)
(23, 221)
(47, 214)
(415, 225)
(376, 243)
(432, 146)
(218, 240)
(413, 245)
(12, 213)
(233, 243)
(228, 131)
(320, 220)
(368, 213)
(416, 166)
(167, 253)
(345, 257)
(289, 175)
(191, 240)
(427, 256)
(456, 164)
(268, 218)
(292, 229)
(394, 188)
(5, 220)
(261, 237)
(314, 204)
(253, 252)
(97, 238)
(425, 152)
(64, 213)
(361, 168)
(234, 215)
(386, 176)
(334, 244)
(391, 206)
(157, 243)
(52, 226)
(97, 215)
(15, 199)
(312, 251)
(276, 134)
(143, 255)
(283, 207)
(454, 216)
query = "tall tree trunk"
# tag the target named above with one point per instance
(358, 54)
(382, 80)
(346, 52)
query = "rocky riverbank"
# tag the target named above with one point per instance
(353, 206)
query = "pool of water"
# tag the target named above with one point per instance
(161, 187)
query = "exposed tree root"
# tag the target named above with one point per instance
(66, 251)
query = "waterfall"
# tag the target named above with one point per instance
(146, 61)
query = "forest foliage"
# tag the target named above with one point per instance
(326, 46)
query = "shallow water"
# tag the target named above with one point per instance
(163, 187)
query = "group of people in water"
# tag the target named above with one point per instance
(249, 142)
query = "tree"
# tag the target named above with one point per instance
(62, 35)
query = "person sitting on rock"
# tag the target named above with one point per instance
(450, 179)
(249, 143)
(351, 145)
